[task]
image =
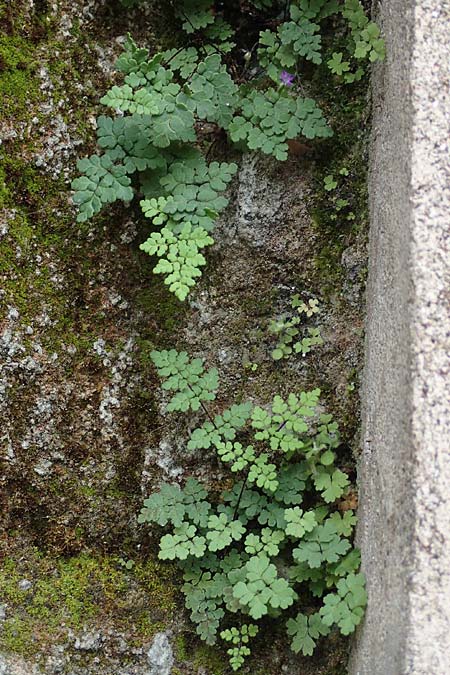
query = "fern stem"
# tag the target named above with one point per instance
(205, 410)
(240, 494)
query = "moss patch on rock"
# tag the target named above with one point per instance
(19, 85)
(46, 599)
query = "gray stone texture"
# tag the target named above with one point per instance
(404, 475)
(160, 655)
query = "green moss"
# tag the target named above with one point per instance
(68, 594)
(39, 227)
(17, 636)
(181, 650)
(160, 581)
(75, 586)
(346, 110)
(161, 305)
(146, 628)
(201, 656)
(9, 582)
(337, 228)
(14, 53)
(19, 87)
(211, 659)
(4, 192)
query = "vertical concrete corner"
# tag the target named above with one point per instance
(404, 475)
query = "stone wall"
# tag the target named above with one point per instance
(84, 438)
(405, 464)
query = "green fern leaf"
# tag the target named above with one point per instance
(302, 36)
(132, 57)
(346, 607)
(263, 473)
(125, 139)
(305, 630)
(287, 426)
(262, 588)
(321, 545)
(189, 378)
(182, 258)
(211, 93)
(103, 182)
(239, 638)
(292, 480)
(347, 564)
(222, 532)
(194, 189)
(268, 119)
(182, 543)
(344, 523)
(184, 61)
(239, 456)
(195, 14)
(224, 427)
(126, 99)
(267, 543)
(299, 522)
(331, 483)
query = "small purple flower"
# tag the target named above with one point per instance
(286, 78)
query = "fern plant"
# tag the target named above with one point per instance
(293, 336)
(151, 143)
(300, 39)
(268, 119)
(239, 638)
(276, 534)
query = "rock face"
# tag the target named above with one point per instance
(83, 438)
(405, 466)
(16, 666)
(160, 655)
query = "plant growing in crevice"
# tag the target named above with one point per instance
(338, 196)
(171, 103)
(276, 535)
(293, 336)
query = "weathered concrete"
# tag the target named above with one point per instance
(405, 466)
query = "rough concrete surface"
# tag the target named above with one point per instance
(405, 466)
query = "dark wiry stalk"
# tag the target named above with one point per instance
(244, 483)
(205, 410)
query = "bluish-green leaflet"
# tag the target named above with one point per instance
(257, 549)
